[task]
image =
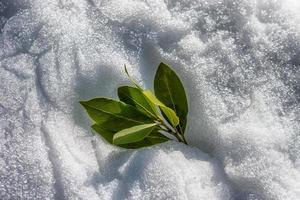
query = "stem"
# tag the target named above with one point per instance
(175, 135)
(173, 131)
(184, 140)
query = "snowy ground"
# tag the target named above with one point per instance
(240, 63)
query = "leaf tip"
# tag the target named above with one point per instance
(162, 65)
(84, 104)
(126, 71)
(121, 88)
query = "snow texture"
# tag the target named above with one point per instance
(240, 63)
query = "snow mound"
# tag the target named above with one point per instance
(171, 171)
(240, 63)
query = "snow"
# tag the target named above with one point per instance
(238, 59)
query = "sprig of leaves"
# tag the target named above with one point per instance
(141, 118)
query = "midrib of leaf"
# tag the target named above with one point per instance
(173, 104)
(140, 105)
(118, 116)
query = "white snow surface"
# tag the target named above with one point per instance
(239, 61)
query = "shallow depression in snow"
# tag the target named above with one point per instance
(240, 63)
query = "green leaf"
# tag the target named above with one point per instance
(136, 98)
(153, 138)
(169, 90)
(152, 98)
(107, 135)
(113, 115)
(133, 134)
(170, 114)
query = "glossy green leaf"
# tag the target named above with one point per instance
(136, 98)
(170, 114)
(152, 98)
(153, 138)
(114, 115)
(133, 134)
(107, 135)
(170, 91)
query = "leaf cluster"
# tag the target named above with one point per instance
(141, 118)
